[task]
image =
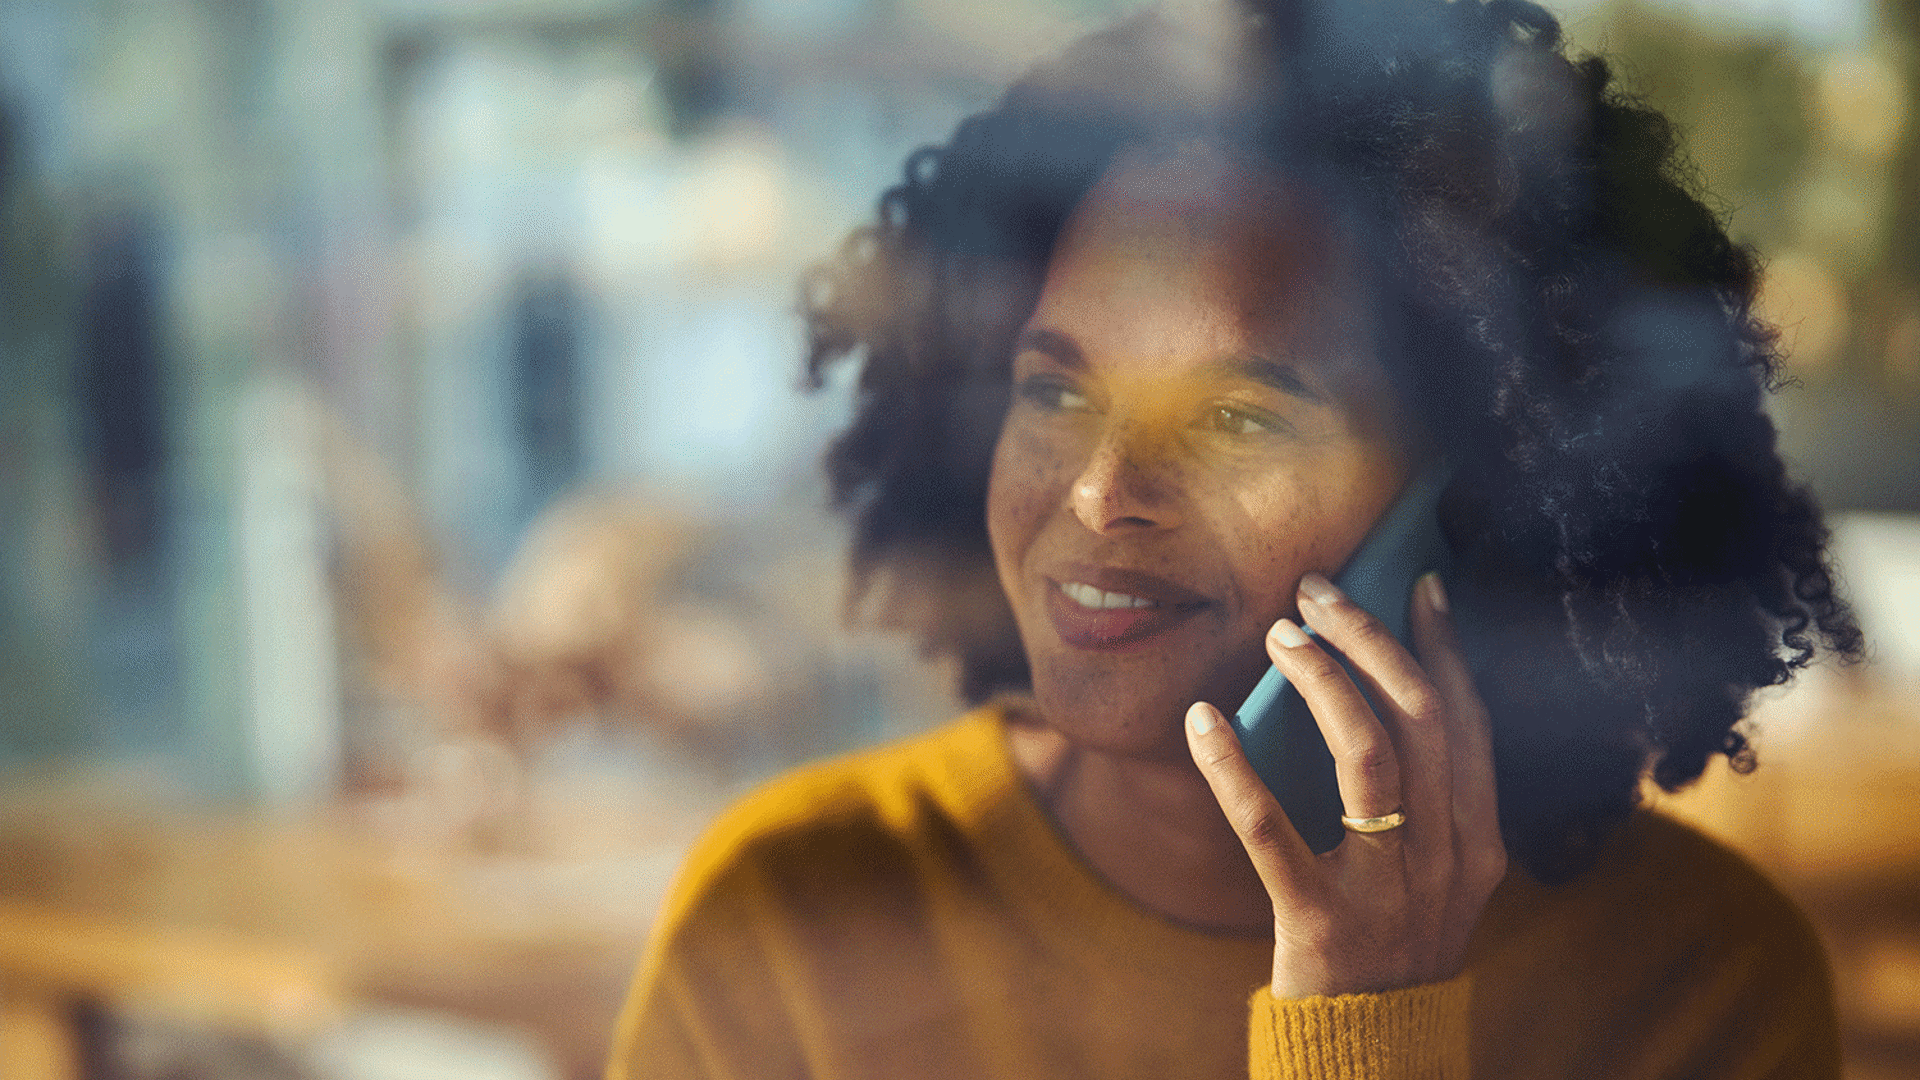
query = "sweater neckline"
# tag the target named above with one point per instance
(1081, 914)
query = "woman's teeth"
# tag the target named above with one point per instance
(1088, 596)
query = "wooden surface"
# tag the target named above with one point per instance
(276, 926)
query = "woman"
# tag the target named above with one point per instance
(1145, 352)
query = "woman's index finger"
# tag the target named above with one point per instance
(1278, 853)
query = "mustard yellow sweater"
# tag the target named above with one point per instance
(910, 912)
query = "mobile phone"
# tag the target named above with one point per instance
(1274, 724)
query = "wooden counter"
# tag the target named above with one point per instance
(277, 927)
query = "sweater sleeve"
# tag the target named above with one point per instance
(1420, 1033)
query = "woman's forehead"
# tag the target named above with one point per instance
(1188, 232)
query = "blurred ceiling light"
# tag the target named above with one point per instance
(734, 203)
(1862, 105)
(1807, 303)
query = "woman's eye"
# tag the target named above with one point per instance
(1237, 420)
(1054, 395)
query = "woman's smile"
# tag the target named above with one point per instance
(1112, 608)
(1198, 419)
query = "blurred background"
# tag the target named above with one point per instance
(409, 528)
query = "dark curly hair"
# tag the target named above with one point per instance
(1555, 300)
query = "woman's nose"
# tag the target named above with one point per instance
(1127, 483)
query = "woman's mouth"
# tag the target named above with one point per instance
(1099, 599)
(1087, 616)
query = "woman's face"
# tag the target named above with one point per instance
(1198, 419)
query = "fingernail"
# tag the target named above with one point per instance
(1436, 592)
(1289, 635)
(1319, 589)
(1200, 718)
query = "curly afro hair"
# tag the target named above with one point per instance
(1555, 301)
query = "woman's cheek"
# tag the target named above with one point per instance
(1271, 530)
(1025, 485)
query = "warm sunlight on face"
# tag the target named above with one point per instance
(1198, 419)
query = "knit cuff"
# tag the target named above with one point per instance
(1420, 1033)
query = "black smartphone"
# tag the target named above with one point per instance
(1274, 724)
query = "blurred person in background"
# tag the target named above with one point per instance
(593, 619)
(1144, 352)
(594, 628)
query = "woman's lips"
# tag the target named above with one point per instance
(1114, 611)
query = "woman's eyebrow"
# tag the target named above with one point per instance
(1062, 349)
(1268, 371)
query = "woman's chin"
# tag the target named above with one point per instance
(1142, 727)
(1134, 701)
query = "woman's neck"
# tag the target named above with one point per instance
(1150, 828)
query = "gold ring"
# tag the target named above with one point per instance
(1374, 824)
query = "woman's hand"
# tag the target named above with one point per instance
(1383, 910)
